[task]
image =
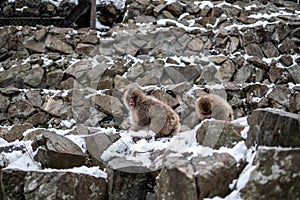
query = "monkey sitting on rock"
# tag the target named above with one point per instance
(213, 106)
(148, 113)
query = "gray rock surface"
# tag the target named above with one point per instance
(273, 127)
(55, 151)
(196, 179)
(274, 168)
(51, 185)
(217, 134)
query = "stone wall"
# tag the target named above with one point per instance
(74, 80)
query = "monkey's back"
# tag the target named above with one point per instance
(214, 106)
(166, 116)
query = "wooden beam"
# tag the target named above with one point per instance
(93, 15)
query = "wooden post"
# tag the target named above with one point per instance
(93, 15)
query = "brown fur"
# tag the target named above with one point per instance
(150, 113)
(213, 106)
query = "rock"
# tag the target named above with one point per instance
(196, 44)
(176, 180)
(253, 49)
(40, 34)
(85, 49)
(218, 59)
(84, 109)
(280, 129)
(109, 104)
(270, 50)
(295, 103)
(110, 14)
(20, 107)
(4, 54)
(54, 78)
(280, 94)
(214, 174)
(258, 62)
(56, 107)
(227, 70)
(127, 179)
(4, 103)
(135, 72)
(276, 174)
(275, 74)
(56, 151)
(120, 82)
(175, 8)
(288, 47)
(32, 134)
(234, 44)
(207, 21)
(280, 32)
(39, 118)
(16, 132)
(34, 77)
(243, 73)
(255, 94)
(182, 74)
(10, 91)
(208, 75)
(295, 73)
(12, 186)
(218, 133)
(51, 185)
(159, 8)
(89, 37)
(96, 144)
(287, 60)
(180, 178)
(55, 44)
(35, 98)
(35, 46)
(11, 73)
(165, 97)
(151, 77)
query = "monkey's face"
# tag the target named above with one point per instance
(132, 99)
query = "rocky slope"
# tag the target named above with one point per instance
(65, 86)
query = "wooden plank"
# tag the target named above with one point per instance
(81, 8)
(93, 15)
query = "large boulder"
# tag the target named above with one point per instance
(16, 132)
(56, 151)
(273, 127)
(197, 178)
(51, 185)
(96, 144)
(218, 133)
(128, 179)
(275, 176)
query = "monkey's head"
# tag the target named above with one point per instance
(134, 97)
(204, 106)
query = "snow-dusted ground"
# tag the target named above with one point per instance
(136, 151)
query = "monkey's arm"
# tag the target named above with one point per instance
(158, 116)
(134, 120)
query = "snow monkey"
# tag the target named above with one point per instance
(213, 106)
(148, 113)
